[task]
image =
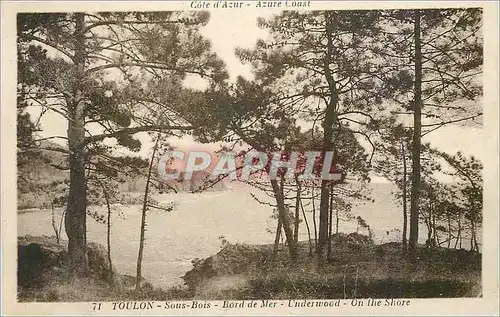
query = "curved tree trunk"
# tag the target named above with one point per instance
(145, 202)
(328, 122)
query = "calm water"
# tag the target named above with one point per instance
(193, 228)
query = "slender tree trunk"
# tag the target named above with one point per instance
(405, 210)
(474, 236)
(108, 232)
(329, 254)
(473, 242)
(53, 221)
(297, 212)
(76, 213)
(307, 227)
(471, 234)
(138, 276)
(315, 226)
(285, 218)
(416, 146)
(459, 230)
(328, 122)
(449, 228)
(429, 231)
(277, 237)
(473, 239)
(337, 221)
(323, 221)
(63, 216)
(434, 231)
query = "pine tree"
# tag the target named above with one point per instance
(97, 70)
(321, 63)
(439, 58)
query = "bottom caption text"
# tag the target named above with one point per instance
(245, 304)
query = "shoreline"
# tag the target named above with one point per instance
(358, 269)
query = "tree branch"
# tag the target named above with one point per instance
(145, 64)
(452, 121)
(50, 44)
(156, 127)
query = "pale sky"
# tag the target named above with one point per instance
(230, 29)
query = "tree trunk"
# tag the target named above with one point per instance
(323, 220)
(138, 276)
(307, 227)
(330, 226)
(429, 231)
(285, 218)
(435, 236)
(405, 210)
(459, 230)
(416, 146)
(449, 228)
(76, 213)
(53, 221)
(328, 122)
(277, 237)
(473, 239)
(337, 221)
(108, 226)
(472, 234)
(297, 212)
(315, 226)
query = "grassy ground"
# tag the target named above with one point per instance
(357, 269)
(42, 275)
(354, 271)
(87, 290)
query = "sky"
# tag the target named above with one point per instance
(230, 29)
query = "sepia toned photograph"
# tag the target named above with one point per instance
(223, 155)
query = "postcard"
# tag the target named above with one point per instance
(249, 158)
